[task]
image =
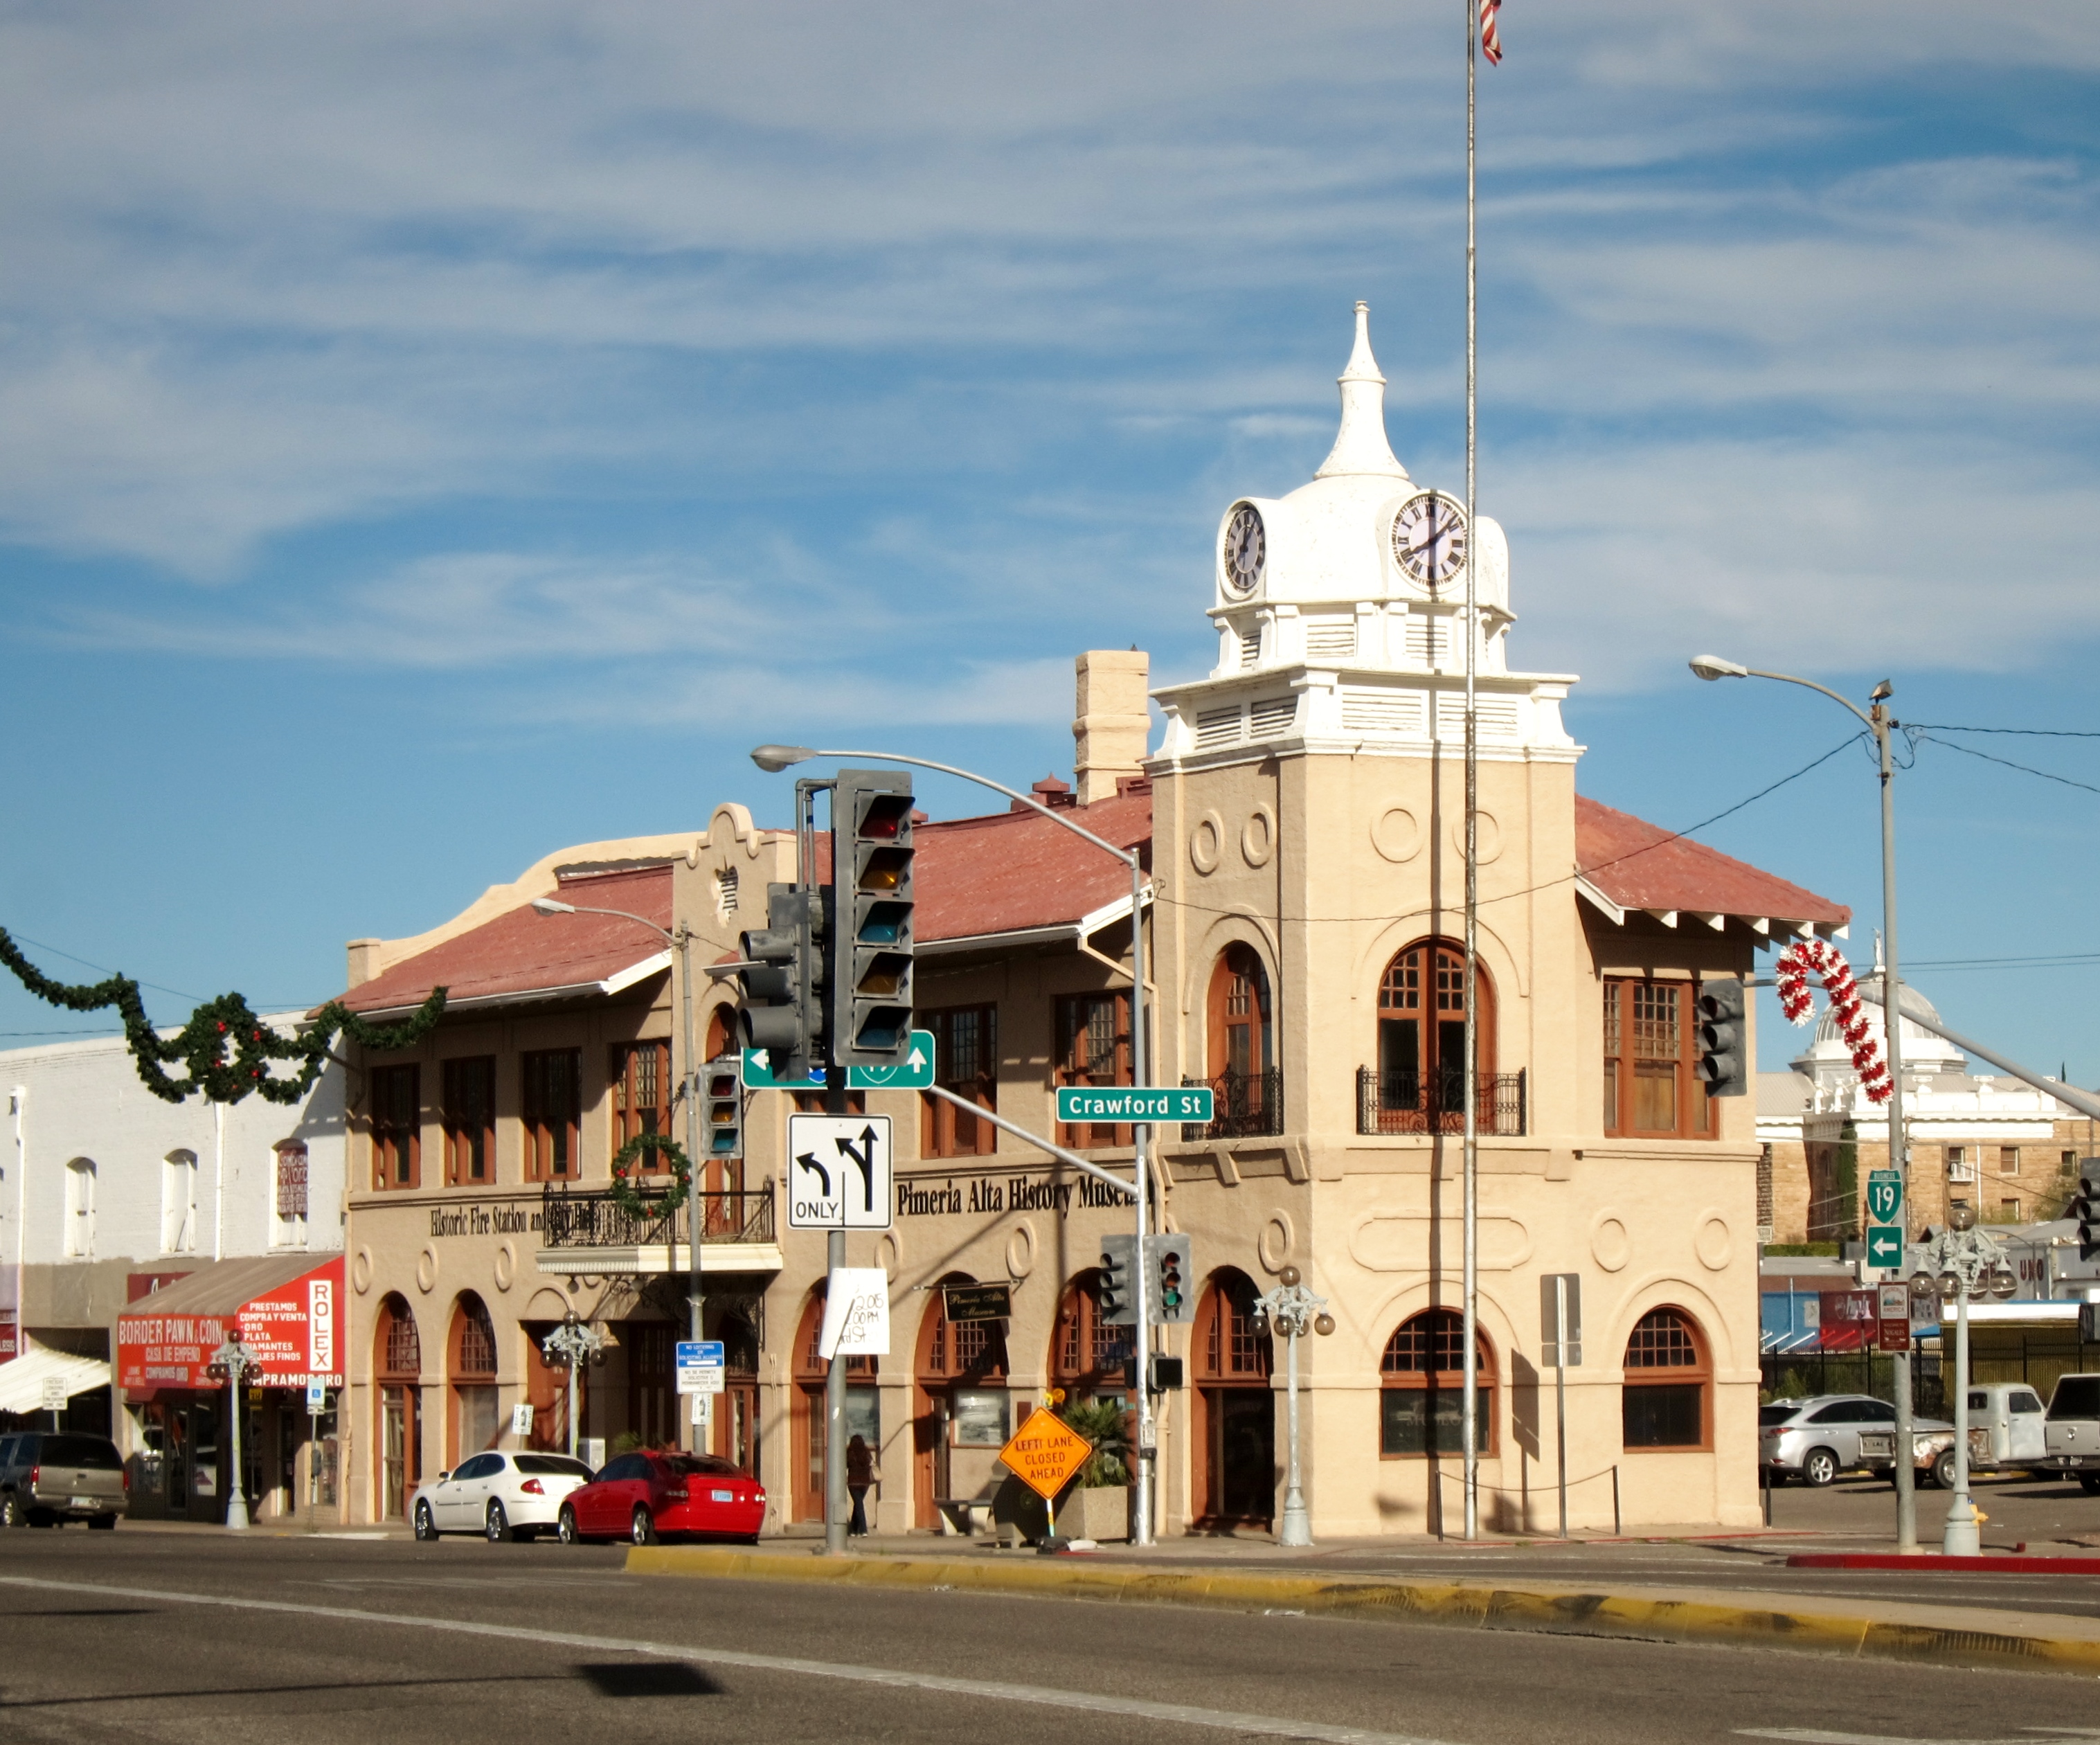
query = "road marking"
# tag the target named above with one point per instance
(1825, 1736)
(1268, 1726)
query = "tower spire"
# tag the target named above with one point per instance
(1360, 444)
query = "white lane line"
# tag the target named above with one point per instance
(1270, 1726)
(1825, 1736)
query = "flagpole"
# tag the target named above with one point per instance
(1470, 1427)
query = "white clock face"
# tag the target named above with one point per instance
(1429, 538)
(1246, 548)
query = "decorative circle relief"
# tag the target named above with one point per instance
(1258, 836)
(1714, 1244)
(889, 1253)
(1490, 846)
(1610, 1245)
(426, 1268)
(1396, 834)
(1021, 1251)
(361, 1271)
(1206, 843)
(506, 1265)
(1276, 1241)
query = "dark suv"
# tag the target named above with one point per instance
(48, 1478)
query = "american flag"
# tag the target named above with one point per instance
(1491, 41)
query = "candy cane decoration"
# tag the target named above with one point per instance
(1791, 973)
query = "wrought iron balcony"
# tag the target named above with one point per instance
(1408, 1102)
(573, 1219)
(1245, 1106)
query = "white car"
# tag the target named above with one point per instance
(500, 1496)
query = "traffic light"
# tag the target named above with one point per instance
(721, 1108)
(1724, 1036)
(1118, 1299)
(1173, 1262)
(871, 856)
(2085, 1207)
(783, 989)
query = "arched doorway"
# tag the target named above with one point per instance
(1422, 1038)
(736, 1407)
(1242, 1045)
(864, 1411)
(959, 1392)
(1089, 1357)
(397, 1371)
(1235, 1407)
(470, 1369)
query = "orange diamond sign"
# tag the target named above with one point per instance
(1045, 1452)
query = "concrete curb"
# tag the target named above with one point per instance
(1630, 1616)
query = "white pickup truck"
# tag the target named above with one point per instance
(2071, 1431)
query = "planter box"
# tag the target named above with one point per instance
(1101, 1515)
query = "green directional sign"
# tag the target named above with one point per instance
(1885, 1196)
(1093, 1102)
(915, 1072)
(1885, 1245)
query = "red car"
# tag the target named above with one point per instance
(644, 1496)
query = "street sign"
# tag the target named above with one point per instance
(316, 1397)
(839, 1172)
(1894, 1333)
(1884, 1246)
(520, 1418)
(700, 1364)
(1103, 1103)
(54, 1394)
(916, 1072)
(977, 1302)
(1044, 1453)
(1885, 1220)
(1561, 1348)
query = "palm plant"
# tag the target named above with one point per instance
(1105, 1423)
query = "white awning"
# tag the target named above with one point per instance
(22, 1380)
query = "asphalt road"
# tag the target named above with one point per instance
(213, 1641)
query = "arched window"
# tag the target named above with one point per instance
(863, 1407)
(470, 1366)
(1089, 1357)
(1422, 1039)
(178, 1175)
(1422, 1379)
(959, 1397)
(79, 1207)
(397, 1363)
(1664, 1398)
(1242, 1047)
(1235, 1407)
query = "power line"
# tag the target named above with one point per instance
(2054, 733)
(1970, 751)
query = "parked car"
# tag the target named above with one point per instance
(2070, 1431)
(646, 1496)
(500, 1494)
(2006, 1429)
(1816, 1439)
(49, 1477)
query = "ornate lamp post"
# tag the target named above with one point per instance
(1292, 1311)
(570, 1344)
(236, 1360)
(1967, 1264)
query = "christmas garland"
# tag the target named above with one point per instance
(627, 1197)
(1808, 957)
(220, 1026)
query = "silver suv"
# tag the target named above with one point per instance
(48, 1478)
(1816, 1439)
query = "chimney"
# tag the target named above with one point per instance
(363, 960)
(1114, 724)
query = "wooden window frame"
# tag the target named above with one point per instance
(631, 1115)
(944, 1128)
(1436, 1382)
(1072, 1018)
(1621, 998)
(397, 1147)
(1699, 1374)
(545, 1131)
(462, 1133)
(1079, 1338)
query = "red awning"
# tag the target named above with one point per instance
(287, 1307)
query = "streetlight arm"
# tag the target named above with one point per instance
(669, 937)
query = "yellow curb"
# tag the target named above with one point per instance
(1624, 1616)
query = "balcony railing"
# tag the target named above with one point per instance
(1408, 1102)
(571, 1219)
(1245, 1106)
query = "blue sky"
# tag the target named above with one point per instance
(430, 436)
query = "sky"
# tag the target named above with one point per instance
(433, 435)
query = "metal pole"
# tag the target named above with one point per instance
(1560, 1391)
(1960, 1538)
(236, 1504)
(1906, 1475)
(574, 1358)
(1469, 1428)
(835, 1414)
(1297, 1528)
(1147, 1449)
(696, 1198)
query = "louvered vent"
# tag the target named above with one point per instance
(1270, 717)
(725, 894)
(1497, 717)
(1218, 727)
(1249, 649)
(1428, 641)
(1382, 712)
(1330, 639)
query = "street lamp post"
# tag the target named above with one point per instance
(680, 941)
(1294, 1311)
(236, 1360)
(1962, 1263)
(1877, 720)
(775, 758)
(572, 1344)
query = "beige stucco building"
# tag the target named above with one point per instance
(1302, 824)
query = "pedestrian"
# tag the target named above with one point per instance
(860, 1474)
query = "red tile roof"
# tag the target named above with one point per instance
(1011, 872)
(522, 953)
(1638, 865)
